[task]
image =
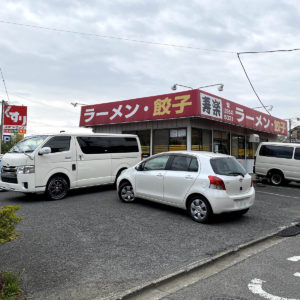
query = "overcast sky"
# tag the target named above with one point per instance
(46, 70)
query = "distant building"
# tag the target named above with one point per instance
(295, 134)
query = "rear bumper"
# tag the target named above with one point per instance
(221, 202)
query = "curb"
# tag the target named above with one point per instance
(191, 267)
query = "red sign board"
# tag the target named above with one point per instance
(180, 105)
(15, 118)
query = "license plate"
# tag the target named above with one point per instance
(241, 203)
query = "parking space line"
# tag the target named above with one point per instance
(274, 194)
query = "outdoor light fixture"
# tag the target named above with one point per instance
(268, 107)
(220, 88)
(77, 103)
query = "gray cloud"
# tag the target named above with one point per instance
(46, 70)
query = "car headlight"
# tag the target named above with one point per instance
(25, 169)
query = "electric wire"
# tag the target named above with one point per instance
(157, 44)
(4, 84)
(116, 37)
(252, 85)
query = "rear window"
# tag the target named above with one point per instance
(227, 166)
(276, 151)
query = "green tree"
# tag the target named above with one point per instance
(14, 140)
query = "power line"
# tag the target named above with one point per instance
(157, 44)
(115, 37)
(269, 51)
(252, 84)
(4, 84)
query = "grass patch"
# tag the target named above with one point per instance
(9, 287)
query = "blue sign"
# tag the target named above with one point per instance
(6, 138)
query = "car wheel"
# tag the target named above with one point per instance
(199, 209)
(276, 178)
(126, 193)
(57, 188)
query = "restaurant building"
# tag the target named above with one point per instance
(189, 120)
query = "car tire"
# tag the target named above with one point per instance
(276, 178)
(126, 193)
(199, 209)
(57, 188)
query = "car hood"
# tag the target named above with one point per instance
(16, 159)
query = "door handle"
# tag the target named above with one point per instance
(188, 177)
(68, 157)
(159, 175)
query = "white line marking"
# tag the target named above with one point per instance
(255, 286)
(294, 258)
(277, 194)
(297, 274)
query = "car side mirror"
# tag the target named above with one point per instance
(140, 167)
(45, 150)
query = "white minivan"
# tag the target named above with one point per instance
(279, 162)
(56, 163)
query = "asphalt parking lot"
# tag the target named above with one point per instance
(90, 245)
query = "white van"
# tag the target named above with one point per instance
(56, 163)
(279, 162)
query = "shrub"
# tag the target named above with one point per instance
(8, 221)
(9, 287)
(9, 283)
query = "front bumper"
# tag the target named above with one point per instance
(25, 184)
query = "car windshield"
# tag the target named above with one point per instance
(227, 166)
(28, 144)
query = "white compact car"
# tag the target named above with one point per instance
(203, 183)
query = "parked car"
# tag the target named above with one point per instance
(53, 164)
(203, 183)
(278, 162)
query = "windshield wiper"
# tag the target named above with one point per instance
(236, 174)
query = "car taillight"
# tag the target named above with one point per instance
(216, 183)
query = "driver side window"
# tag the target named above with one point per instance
(157, 163)
(59, 144)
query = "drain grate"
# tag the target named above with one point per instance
(291, 231)
(224, 298)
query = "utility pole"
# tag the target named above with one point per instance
(2, 118)
(290, 131)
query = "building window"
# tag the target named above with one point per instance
(177, 139)
(201, 140)
(238, 146)
(251, 148)
(221, 142)
(144, 137)
(160, 141)
(169, 140)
